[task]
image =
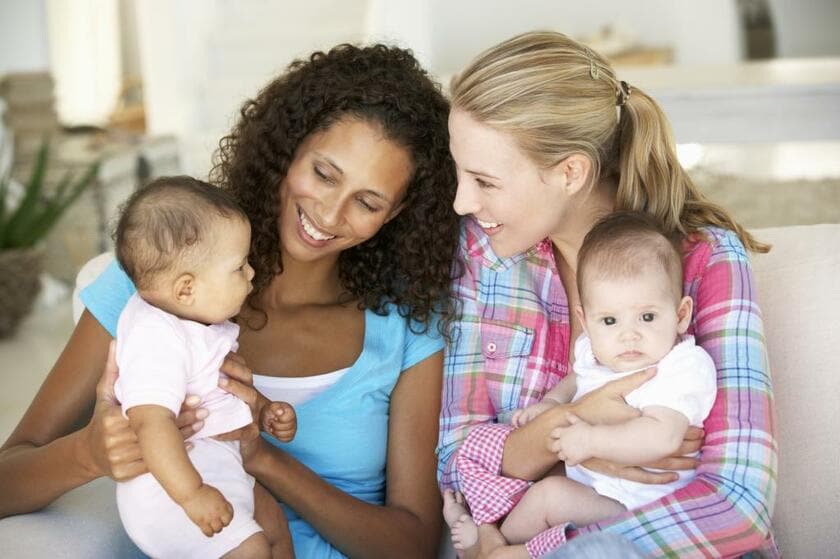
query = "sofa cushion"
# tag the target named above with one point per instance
(800, 303)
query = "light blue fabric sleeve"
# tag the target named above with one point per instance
(420, 346)
(107, 296)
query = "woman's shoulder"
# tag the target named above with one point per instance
(711, 245)
(108, 295)
(401, 335)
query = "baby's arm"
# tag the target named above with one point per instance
(279, 420)
(162, 448)
(657, 433)
(562, 393)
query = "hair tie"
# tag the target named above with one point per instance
(623, 93)
(594, 70)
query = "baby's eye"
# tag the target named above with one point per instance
(609, 320)
(648, 317)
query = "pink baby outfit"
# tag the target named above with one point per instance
(162, 359)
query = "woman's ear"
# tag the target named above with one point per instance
(572, 173)
(684, 311)
(184, 289)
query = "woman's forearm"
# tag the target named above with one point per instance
(32, 477)
(355, 527)
(526, 454)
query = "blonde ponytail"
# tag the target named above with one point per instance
(651, 179)
(556, 97)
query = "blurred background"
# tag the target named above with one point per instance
(148, 87)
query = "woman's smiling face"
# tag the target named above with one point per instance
(501, 188)
(344, 184)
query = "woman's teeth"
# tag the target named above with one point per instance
(311, 230)
(487, 224)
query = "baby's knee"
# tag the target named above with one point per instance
(552, 488)
(255, 546)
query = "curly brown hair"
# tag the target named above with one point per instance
(408, 262)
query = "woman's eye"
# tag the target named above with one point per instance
(648, 317)
(367, 206)
(483, 184)
(609, 320)
(323, 176)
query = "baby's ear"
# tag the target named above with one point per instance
(184, 289)
(581, 317)
(684, 310)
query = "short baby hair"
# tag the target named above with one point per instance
(626, 244)
(164, 223)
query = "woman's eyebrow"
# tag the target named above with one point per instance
(330, 162)
(481, 173)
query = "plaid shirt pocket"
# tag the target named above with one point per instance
(506, 348)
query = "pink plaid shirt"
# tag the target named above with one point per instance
(512, 345)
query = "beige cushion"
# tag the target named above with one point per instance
(799, 292)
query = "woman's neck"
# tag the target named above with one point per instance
(304, 283)
(579, 219)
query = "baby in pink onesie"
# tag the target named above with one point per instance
(185, 244)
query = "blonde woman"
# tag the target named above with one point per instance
(547, 140)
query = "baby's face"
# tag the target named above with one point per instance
(633, 322)
(224, 281)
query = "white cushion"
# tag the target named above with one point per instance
(800, 302)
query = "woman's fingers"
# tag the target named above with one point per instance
(640, 475)
(234, 366)
(105, 386)
(628, 384)
(674, 463)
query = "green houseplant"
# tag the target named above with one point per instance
(23, 226)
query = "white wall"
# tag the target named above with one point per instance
(806, 29)
(201, 59)
(704, 32)
(23, 36)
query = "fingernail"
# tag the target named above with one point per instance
(192, 400)
(223, 382)
(197, 425)
(201, 414)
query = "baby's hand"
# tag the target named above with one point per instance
(526, 415)
(279, 420)
(209, 509)
(572, 443)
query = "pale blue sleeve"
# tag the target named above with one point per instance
(420, 346)
(107, 296)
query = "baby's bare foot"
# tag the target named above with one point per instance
(454, 507)
(464, 533)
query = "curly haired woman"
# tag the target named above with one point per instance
(343, 168)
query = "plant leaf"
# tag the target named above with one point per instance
(28, 207)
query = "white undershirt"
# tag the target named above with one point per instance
(296, 390)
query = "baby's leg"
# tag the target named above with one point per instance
(255, 546)
(270, 516)
(553, 501)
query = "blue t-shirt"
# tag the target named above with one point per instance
(342, 432)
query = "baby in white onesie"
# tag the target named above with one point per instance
(634, 316)
(185, 244)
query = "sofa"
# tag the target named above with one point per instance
(801, 312)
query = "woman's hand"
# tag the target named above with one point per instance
(114, 449)
(691, 443)
(240, 383)
(606, 405)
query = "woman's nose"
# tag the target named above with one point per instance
(330, 211)
(465, 199)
